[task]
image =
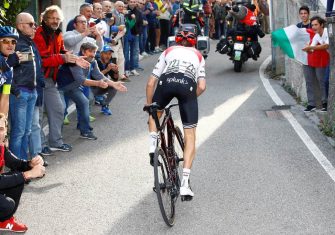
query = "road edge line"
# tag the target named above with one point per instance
(306, 139)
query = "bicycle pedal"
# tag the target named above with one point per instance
(186, 198)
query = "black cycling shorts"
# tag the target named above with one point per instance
(176, 85)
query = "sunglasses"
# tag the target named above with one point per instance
(31, 24)
(6, 41)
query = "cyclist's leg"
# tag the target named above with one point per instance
(162, 97)
(189, 149)
(188, 106)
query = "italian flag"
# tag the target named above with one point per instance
(291, 40)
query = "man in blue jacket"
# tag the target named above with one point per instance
(23, 96)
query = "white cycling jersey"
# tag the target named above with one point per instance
(180, 59)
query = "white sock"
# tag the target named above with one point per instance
(153, 136)
(186, 176)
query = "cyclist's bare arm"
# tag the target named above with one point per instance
(150, 89)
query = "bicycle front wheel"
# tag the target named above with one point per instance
(164, 188)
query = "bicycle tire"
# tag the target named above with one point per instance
(163, 188)
(179, 150)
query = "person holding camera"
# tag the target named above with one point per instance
(12, 182)
(81, 34)
(26, 76)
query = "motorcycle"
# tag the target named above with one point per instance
(239, 47)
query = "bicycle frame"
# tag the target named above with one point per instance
(168, 146)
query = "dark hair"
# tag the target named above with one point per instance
(88, 46)
(319, 19)
(83, 6)
(76, 18)
(304, 8)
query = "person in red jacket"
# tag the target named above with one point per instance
(12, 182)
(49, 41)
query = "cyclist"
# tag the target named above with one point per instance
(179, 73)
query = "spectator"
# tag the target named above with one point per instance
(71, 77)
(304, 16)
(108, 67)
(144, 35)
(107, 6)
(73, 39)
(318, 60)
(219, 15)
(86, 10)
(8, 59)
(134, 23)
(151, 10)
(164, 22)
(98, 17)
(207, 7)
(117, 42)
(12, 182)
(49, 42)
(23, 96)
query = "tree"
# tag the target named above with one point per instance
(9, 10)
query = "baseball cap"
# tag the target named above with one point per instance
(106, 48)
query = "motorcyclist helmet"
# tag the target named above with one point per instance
(8, 31)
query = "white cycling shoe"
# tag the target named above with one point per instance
(186, 193)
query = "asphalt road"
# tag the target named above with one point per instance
(252, 174)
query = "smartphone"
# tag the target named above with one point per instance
(109, 15)
(27, 56)
(92, 24)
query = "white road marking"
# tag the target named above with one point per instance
(313, 148)
(209, 124)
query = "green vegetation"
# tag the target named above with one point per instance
(9, 9)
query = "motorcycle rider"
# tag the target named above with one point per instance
(243, 19)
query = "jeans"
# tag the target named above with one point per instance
(206, 27)
(21, 116)
(219, 29)
(35, 144)
(131, 51)
(82, 105)
(143, 39)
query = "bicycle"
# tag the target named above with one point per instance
(167, 156)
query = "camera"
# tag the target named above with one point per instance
(27, 56)
(109, 15)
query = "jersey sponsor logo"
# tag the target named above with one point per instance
(177, 80)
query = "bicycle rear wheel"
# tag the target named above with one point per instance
(178, 143)
(164, 188)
